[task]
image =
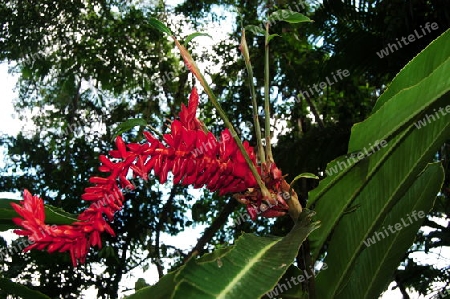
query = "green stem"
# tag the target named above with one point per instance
(267, 97)
(155, 131)
(191, 65)
(248, 64)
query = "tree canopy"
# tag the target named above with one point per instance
(85, 67)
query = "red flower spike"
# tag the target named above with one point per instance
(121, 147)
(91, 196)
(192, 155)
(187, 114)
(56, 238)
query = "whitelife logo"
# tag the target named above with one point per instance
(212, 142)
(430, 117)
(283, 287)
(355, 158)
(391, 48)
(339, 75)
(207, 146)
(378, 236)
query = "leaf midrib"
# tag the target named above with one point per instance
(371, 283)
(246, 269)
(386, 206)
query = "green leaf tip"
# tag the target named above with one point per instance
(128, 125)
(306, 175)
(289, 16)
(270, 37)
(255, 30)
(190, 37)
(160, 26)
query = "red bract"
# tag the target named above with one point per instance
(276, 205)
(75, 238)
(194, 156)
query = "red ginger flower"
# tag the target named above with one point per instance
(73, 238)
(191, 154)
(280, 192)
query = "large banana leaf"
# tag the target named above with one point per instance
(290, 286)
(17, 289)
(419, 84)
(377, 262)
(355, 200)
(248, 269)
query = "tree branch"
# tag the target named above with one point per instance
(162, 219)
(401, 287)
(315, 112)
(215, 226)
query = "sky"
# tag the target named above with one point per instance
(7, 92)
(9, 125)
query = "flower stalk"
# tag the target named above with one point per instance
(245, 53)
(192, 66)
(267, 96)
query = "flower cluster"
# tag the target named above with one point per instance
(75, 238)
(222, 169)
(272, 206)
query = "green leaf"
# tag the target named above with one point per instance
(161, 290)
(287, 288)
(165, 286)
(53, 215)
(6, 214)
(288, 16)
(17, 289)
(255, 29)
(306, 175)
(408, 96)
(194, 35)
(249, 270)
(375, 184)
(215, 255)
(128, 125)
(270, 37)
(418, 69)
(375, 267)
(140, 283)
(380, 182)
(160, 26)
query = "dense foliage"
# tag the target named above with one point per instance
(85, 67)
